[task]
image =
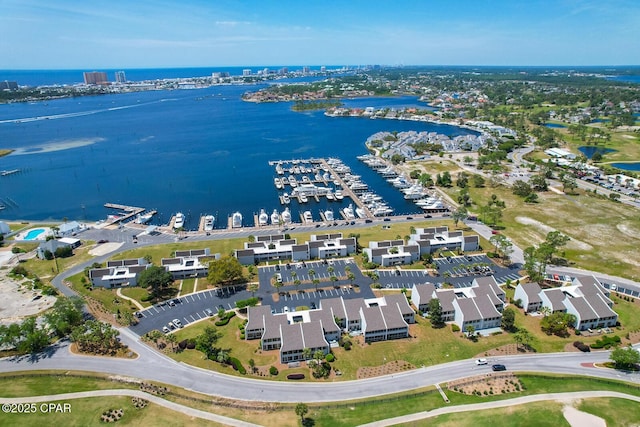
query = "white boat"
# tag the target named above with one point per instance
(286, 216)
(307, 216)
(278, 183)
(303, 198)
(286, 199)
(143, 219)
(328, 215)
(179, 222)
(275, 217)
(236, 220)
(263, 218)
(339, 195)
(361, 213)
(348, 212)
(330, 196)
(209, 220)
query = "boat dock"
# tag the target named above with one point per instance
(130, 212)
(346, 191)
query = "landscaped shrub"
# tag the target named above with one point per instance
(330, 357)
(606, 342)
(191, 344)
(584, 348)
(273, 371)
(455, 328)
(347, 345)
(576, 344)
(295, 376)
(182, 344)
(237, 365)
(227, 317)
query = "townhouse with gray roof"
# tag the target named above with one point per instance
(392, 252)
(432, 239)
(276, 247)
(377, 319)
(118, 273)
(529, 296)
(587, 300)
(479, 305)
(188, 263)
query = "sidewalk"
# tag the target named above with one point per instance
(500, 404)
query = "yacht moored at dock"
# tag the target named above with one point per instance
(236, 220)
(275, 217)
(348, 212)
(286, 216)
(143, 219)
(179, 221)
(263, 218)
(328, 215)
(209, 220)
(308, 218)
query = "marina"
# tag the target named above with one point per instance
(319, 190)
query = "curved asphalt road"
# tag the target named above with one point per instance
(151, 365)
(154, 366)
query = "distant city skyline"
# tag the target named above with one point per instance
(41, 34)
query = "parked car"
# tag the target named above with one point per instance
(171, 325)
(165, 330)
(208, 312)
(171, 303)
(481, 361)
(139, 315)
(178, 323)
(498, 367)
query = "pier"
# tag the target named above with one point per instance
(130, 212)
(346, 191)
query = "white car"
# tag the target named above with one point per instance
(481, 361)
(178, 323)
(165, 330)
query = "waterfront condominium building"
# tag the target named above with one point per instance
(95, 78)
(121, 77)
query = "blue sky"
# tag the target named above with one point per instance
(52, 34)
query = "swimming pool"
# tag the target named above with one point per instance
(34, 234)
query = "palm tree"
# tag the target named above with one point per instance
(297, 283)
(315, 283)
(334, 279)
(330, 270)
(172, 339)
(306, 353)
(311, 273)
(253, 288)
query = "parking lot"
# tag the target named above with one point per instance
(459, 271)
(188, 309)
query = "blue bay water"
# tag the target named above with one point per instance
(195, 151)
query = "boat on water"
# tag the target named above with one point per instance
(278, 183)
(338, 195)
(143, 219)
(328, 215)
(360, 212)
(348, 212)
(303, 198)
(179, 221)
(275, 217)
(209, 220)
(330, 196)
(307, 216)
(286, 199)
(286, 216)
(236, 220)
(263, 218)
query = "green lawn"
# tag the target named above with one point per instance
(87, 412)
(534, 414)
(328, 414)
(137, 294)
(616, 412)
(605, 243)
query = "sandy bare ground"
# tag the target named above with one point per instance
(18, 302)
(581, 419)
(105, 248)
(544, 229)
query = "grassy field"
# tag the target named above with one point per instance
(615, 412)
(534, 414)
(605, 243)
(87, 411)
